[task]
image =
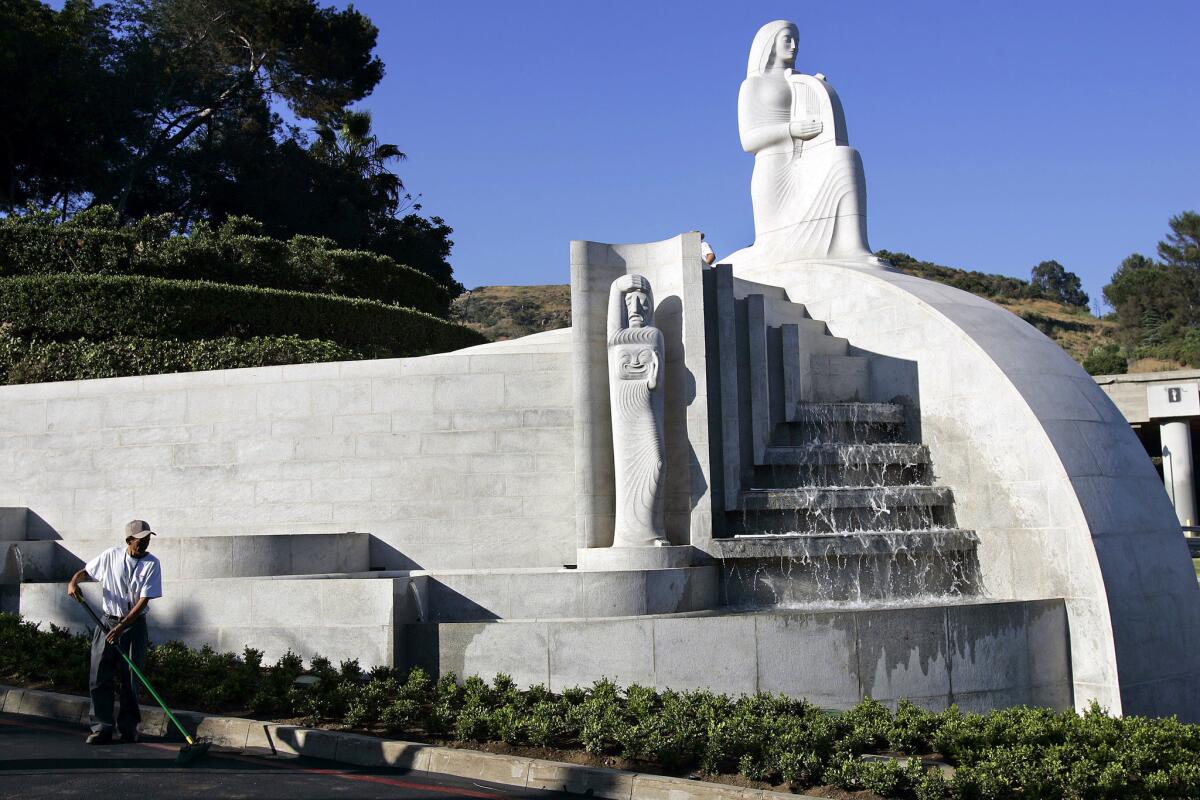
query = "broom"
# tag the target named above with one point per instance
(193, 749)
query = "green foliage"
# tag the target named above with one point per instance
(169, 106)
(237, 252)
(1106, 360)
(1154, 303)
(1158, 303)
(100, 307)
(1012, 754)
(980, 283)
(36, 361)
(1053, 280)
(28, 653)
(1181, 248)
(406, 706)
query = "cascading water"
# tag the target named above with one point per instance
(844, 513)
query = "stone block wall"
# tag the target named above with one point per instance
(980, 656)
(451, 461)
(338, 619)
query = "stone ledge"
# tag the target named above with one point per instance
(824, 545)
(370, 751)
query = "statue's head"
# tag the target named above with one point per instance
(774, 45)
(639, 306)
(631, 303)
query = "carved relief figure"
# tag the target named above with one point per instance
(808, 188)
(635, 361)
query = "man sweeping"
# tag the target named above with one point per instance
(130, 578)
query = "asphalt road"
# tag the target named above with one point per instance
(42, 758)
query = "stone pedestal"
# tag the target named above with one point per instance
(609, 559)
(1177, 469)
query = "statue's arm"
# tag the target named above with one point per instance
(615, 303)
(757, 137)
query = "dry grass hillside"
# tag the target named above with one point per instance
(508, 312)
(1072, 329)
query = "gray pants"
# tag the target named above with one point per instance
(108, 669)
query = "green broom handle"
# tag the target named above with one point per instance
(150, 689)
(138, 672)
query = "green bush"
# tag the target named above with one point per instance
(1106, 360)
(235, 253)
(1013, 754)
(24, 361)
(100, 307)
(56, 656)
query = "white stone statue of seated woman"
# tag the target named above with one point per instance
(635, 363)
(808, 188)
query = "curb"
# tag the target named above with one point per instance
(371, 751)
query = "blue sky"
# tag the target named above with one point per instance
(995, 135)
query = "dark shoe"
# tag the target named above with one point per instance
(128, 738)
(100, 737)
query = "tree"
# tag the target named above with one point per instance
(357, 150)
(1181, 248)
(62, 106)
(199, 58)
(1053, 280)
(1155, 304)
(168, 106)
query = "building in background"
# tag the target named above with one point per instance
(1163, 408)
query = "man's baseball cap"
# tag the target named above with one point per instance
(138, 529)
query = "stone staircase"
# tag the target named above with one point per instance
(842, 467)
(827, 495)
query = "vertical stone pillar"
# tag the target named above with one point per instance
(674, 268)
(1177, 469)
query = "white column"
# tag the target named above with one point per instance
(1177, 469)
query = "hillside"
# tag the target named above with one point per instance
(1074, 330)
(508, 312)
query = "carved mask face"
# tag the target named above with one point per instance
(634, 363)
(785, 47)
(636, 304)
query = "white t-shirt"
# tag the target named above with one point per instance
(125, 579)
(705, 252)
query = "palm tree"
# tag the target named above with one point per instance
(354, 147)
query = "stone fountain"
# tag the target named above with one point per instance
(799, 471)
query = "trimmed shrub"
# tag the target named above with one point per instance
(1012, 754)
(99, 307)
(24, 361)
(236, 253)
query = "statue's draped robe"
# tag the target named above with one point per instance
(637, 413)
(809, 197)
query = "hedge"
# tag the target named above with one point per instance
(101, 307)
(236, 253)
(1001, 755)
(37, 362)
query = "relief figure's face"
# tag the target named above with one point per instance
(636, 304)
(635, 362)
(786, 42)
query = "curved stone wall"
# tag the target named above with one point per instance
(1044, 468)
